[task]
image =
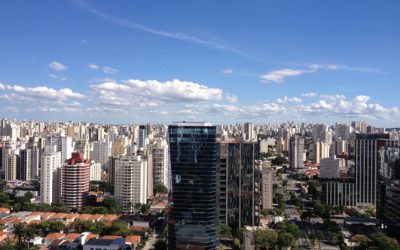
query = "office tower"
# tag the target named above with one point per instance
(240, 183)
(193, 218)
(248, 131)
(389, 189)
(130, 182)
(296, 149)
(95, 171)
(329, 168)
(366, 152)
(141, 142)
(338, 192)
(74, 189)
(25, 165)
(11, 164)
(160, 162)
(267, 182)
(49, 177)
(101, 152)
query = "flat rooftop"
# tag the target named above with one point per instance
(190, 124)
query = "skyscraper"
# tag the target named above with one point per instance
(50, 166)
(296, 148)
(366, 152)
(389, 189)
(25, 164)
(130, 181)
(75, 181)
(160, 162)
(240, 183)
(193, 218)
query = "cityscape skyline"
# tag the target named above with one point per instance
(132, 63)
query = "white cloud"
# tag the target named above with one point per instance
(109, 70)
(57, 66)
(60, 78)
(93, 66)
(227, 71)
(309, 94)
(285, 99)
(2, 86)
(43, 92)
(138, 92)
(278, 75)
(231, 98)
(187, 112)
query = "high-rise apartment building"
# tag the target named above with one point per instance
(248, 131)
(101, 152)
(194, 156)
(95, 171)
(74, 189)
(267, 182)
(240, 184)
(296, 148)
(130, 181)
(11, 162)
(141, 142)
(49, 177)
(160, 162)
(329, 168)
(25, 164)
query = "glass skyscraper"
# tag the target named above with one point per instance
(194, 155)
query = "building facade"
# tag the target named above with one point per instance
(130, 181)
(194, 155)
(49, 177)
(240, 181)
(75, 173)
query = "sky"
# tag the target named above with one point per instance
(218, 61)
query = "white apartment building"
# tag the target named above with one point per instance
(49, 183)
(160, 161)
(130, 181)
(95, 171)
(101, 152)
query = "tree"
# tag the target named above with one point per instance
(382, 241)
(293, 229)
(112, 205)
(160, 245)
(3, 183)
(145, 209)
(118, 228)
(285, 239)
(19, 232)
(279, 160)
(225, 230)
(160, 188)
(266, 239)
(47, 227)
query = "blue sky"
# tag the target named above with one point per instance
(220, 61)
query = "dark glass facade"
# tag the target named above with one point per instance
(389, 178)
(240, 184)
(194, 156)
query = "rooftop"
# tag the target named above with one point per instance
(195, 124)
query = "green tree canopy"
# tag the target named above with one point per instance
(266, 239)
(160, 188)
